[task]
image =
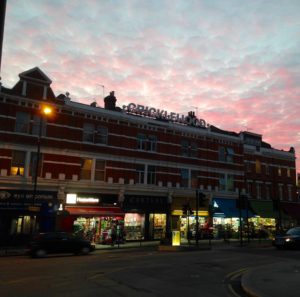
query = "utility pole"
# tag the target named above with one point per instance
(2, 22)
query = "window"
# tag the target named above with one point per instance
(194, 149)
(86, 169)
(288, 172)
(22, 122)
(279, 171)
(229, 155)
(101, 135)
(222, 182)
(267, 169)
(18, 163)
(184, 173)
(268, 191)
(151, 176)
(100, 170)
(189, 149)
(141, 142)
(280, 192)
(33, 160)
(152, 143)
(230, 182)
(290, 193)
(226, 154)
(194, 179)
(88, 132)
(258, 191)
(249, 188)
(140, 174)
(184, 148)
(257, 166)
(248, 166)
(226, 182)
(35, 130)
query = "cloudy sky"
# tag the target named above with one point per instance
(236, 63)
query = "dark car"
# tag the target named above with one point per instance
(291, 239)
(59, 242)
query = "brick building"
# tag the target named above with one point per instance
(133, 166)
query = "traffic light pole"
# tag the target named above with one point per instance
(240, 214)
(197, 218)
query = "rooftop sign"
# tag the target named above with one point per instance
(190, 120)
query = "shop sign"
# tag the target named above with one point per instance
(190, 120)
(74, 199)
(22, 199)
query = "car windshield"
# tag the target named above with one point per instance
(293, 231)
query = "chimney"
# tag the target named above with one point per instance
(110, 101)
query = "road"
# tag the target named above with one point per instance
(135, 273)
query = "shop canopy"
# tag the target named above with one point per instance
(292, 209)
(229, 208)
(263, 209)
(94, 211)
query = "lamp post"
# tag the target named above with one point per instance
(46, 111)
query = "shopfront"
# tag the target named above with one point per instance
(185, 222)
(226, 217)
(93, 216)
(20, 216)
(145, 218)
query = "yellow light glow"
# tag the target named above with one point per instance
(201, 213)
(47, 110)
(175, 238)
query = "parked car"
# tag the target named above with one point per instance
(59, 242)
(291, 239)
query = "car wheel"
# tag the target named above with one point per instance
(40, 253)
(85, 250)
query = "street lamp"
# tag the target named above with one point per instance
(45, 111)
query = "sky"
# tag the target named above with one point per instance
(235, 63)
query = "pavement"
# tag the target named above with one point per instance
(274, 280)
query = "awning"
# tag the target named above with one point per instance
(229, 209)
(95, 211)
(263, 209)
(292, 209)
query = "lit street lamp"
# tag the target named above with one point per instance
(46, 111)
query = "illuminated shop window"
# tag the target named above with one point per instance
(100, 170)
(18, 163)
(86, 169)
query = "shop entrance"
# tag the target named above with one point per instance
(100, 229)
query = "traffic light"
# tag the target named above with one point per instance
(201, 199)
(184, 209)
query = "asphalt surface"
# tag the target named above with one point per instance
(274, 280)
